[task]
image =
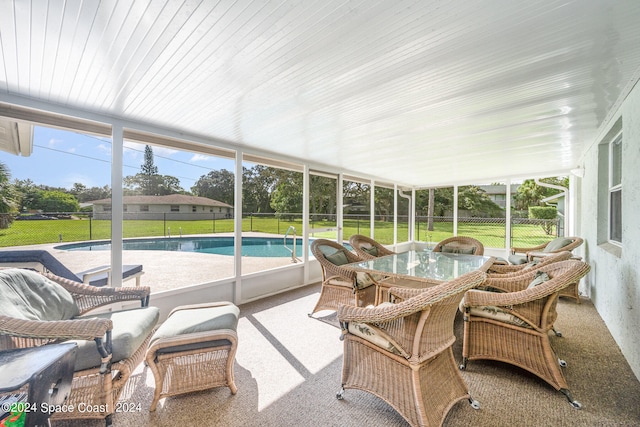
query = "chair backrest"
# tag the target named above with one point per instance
(538, 303)
(431, 314)
(367, 247)
(331, 256)
(562, 244)
(537, 264)
(460, 244)
(28, 295)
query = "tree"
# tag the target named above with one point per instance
(258, 183)
(8, 198)
(217, 185)
(287, 196)
(383, 202)
(476, 200)
(530, 194)
(546, 213)
(148, 182)
(56, 201)
(84, 194)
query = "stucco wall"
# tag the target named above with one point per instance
(614, 281)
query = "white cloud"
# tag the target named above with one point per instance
(200, 158)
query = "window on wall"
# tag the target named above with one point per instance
(615, 189)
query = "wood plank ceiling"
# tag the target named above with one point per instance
(421, 92)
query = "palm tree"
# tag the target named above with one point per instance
(8, 198)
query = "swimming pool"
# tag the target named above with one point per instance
(267, 247)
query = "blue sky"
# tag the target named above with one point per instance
(61, 158)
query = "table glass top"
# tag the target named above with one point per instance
(425, 265)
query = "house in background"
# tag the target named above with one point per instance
(158, 207)
(498, 193)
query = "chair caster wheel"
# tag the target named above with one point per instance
(576, 404)
(340, 394)
(474, 404)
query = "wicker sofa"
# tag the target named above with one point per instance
(39, 309)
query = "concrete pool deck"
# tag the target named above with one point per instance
(165, 270)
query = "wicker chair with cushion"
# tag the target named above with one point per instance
(402, 352)
(511, 324)
(39, 309)
(368, 248)
(524, 255)
(511, 270)
(341, 285)
(460, 245)
(508, 270)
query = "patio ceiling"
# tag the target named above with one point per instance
(421, 92)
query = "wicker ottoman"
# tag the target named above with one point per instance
(194, 349)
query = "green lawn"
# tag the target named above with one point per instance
(31, 232)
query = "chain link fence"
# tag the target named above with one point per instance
(79, 226)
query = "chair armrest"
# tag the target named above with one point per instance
(89, 297)
(89, 274)
(405, 293)
(479, 298)
(504, 269)
(510, 282)
(81, 329)
(348, 313)
(537, 254)
(515, 250)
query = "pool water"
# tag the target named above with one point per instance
(251, 246)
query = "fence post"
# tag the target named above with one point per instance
(164, 224)
(90, 226)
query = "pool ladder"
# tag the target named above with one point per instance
(291, 228)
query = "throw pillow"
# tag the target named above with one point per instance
(338, 258)
(455, 249)
(540, 278)
(371, 251)
(557, 244)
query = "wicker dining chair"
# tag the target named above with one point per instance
(510, 270)
(341, 285)
(461, 245)
(512, 323)
(521, 255)
(44, 308)
(402, 352)
(367, 248)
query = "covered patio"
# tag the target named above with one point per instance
(404, 96)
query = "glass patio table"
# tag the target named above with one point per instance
(420, 269)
